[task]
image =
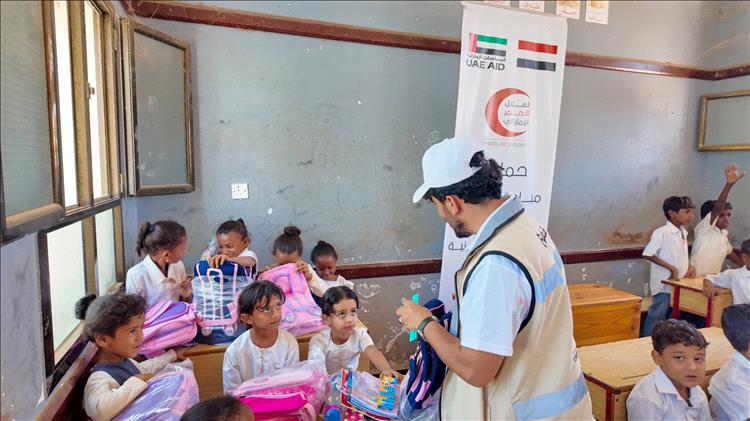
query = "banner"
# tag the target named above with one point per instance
(509, 93)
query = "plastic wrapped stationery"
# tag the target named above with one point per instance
(215, 294)
(374, 397)
(169, 395)
(296, 392)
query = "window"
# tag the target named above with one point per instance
(80, 249)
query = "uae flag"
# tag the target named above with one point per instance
(488, 45)
(534, 55)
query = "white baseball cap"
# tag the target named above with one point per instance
(447, 163)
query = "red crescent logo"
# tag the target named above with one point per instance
(492, 108)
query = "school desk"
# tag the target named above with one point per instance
(603, 314)
(613, 369)
(687, 295)
(209, 359)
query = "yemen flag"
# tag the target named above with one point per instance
(485, 44)
(534, 55)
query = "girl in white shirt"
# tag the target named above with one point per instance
(324, 257)
(263, 348)
(161, 274)
(287, 248)
(114, 323)
(232, 244)
(341, 343)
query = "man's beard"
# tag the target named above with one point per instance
(460, 229)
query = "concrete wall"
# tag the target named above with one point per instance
(22, 382)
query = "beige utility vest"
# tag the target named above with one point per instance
(543, 378)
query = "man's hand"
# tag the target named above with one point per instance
(733, 173)
(675, 274)
(305, 269)
(412, 314)
(690, 272)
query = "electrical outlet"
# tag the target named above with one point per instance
(239, 191)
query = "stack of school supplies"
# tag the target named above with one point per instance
(371, 396)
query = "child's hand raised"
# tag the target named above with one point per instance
(733, 173)
(305, 269)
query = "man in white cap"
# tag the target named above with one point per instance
(510, 352)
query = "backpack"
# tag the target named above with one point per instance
(215, 293)
(420, 391)
(300, 315)
(167, 324)
(167, 396)
(296, 392)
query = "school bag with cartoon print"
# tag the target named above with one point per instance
(420, 390)
(300, 315)
(215, 294)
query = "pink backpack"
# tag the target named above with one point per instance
(168, 324)
(296, 392)
(167, 396)
(300, 315)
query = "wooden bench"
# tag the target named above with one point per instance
(687, 295)
(602, 314)
(208, 361)
(613, 369)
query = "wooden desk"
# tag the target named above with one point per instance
(687, 295)
(613, 369)
(209, 359)
(602, 314)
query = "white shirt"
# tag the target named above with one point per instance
(655, 398)
(341, 356)
(730, 390)
(710, 248)
(103, 397)
(147, 280)
(668, 243)
(498, 298)
(738, 280)
(319, 286)
(244, 360)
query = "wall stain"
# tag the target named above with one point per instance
(388, 167)
(285, 188)
(305, 163)
(618, 236)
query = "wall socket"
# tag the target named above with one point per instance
(239, 191)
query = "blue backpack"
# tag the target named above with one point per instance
(426, 372)
(215, 294)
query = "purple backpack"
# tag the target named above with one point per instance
(167, 396)
(300, 315)
(168, 324)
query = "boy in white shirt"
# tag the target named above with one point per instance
(738, 280)
(730, 386)
(672, 391)
(341, 343)
(263, 348)
(711, 245)
(668, 253)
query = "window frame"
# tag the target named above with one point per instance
(56, 214)
(24, 222)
